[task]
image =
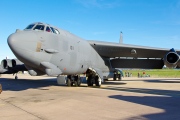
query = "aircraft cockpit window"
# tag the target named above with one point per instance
(48, 29)
(57, 32)
(39, 27)
(30, 26)
(53, 30)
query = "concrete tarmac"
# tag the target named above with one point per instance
(40, 98)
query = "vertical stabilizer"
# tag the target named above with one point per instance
(121, 38)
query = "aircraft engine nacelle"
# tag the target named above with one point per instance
(6, 63)
(32, 72)
(172, 59)
(18, 65)
(15, 62)
(10, 63)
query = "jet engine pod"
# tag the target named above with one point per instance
(14, 63)
(32, 72)
(6, 63)
(171, 59)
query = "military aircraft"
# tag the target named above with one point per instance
(46, 49)
(11, 66)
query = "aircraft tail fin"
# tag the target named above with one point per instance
(121, 38)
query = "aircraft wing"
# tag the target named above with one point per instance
(108, 49)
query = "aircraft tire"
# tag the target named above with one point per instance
(76, 83)
(72, 83)
(119, 77)
(90, 81)
(96, 81)
(69, 83)
(78, 80)
(16, 77)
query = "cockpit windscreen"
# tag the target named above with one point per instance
(30, 26)
(39, 27)
(42, 27)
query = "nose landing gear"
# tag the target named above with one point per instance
(73, 80)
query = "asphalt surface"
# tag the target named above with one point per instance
(40, 98)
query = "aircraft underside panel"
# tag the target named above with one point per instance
(137, 63)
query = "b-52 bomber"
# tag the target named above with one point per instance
(46, 49)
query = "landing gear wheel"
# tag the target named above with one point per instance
(97, 82)
(69, 83)
(114, 78)
(76, 83)
(79, 82)
(16, 77)
(120, 78)
(90, 81)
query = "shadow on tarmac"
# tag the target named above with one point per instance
(9, 84)
(24, 84)
(164, 81)
(113, 83)
(170, 93)
(167, 80)
(170, 105)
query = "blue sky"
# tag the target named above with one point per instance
(154, 23)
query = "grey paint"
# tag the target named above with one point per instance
(68, 54)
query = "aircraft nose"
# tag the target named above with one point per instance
(22, 43)
(12, 40)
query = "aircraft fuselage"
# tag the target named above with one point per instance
(64, 52)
